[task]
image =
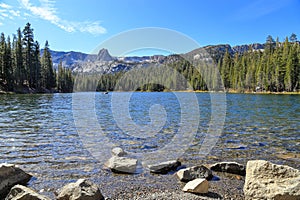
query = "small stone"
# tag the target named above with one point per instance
(192, 173)
(117, 151)
(20, 192)
(265, 180)
(11, 175)
(164, 167)
(229, 167)
(80, 190)
(289, 156)
(198, 186)
(122, 164)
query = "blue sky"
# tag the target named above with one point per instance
(81, 25)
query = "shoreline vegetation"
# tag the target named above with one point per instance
(24, 68)
(230, 91)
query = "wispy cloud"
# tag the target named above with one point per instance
(7, 12)
(5, 6)
(46, 11)
(15, 13)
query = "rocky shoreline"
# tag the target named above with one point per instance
(259, 179)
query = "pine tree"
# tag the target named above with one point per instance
(293, 37)
(269, 45)
(19, 72)
(48, 76)
(8, 68)
(2, 57)
(225, 70)
(28, 43)
(288, 74)
(37, 80)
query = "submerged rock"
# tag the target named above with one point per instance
(20, 192)
(11, 175)
(117, 151)
(122, 164)
(198, 186)
(80, 190)
(229, 167)
(265, 180)
(164, 167)
(192, 173)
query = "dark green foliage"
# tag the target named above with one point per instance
(22, 69)
(28, 54)
(180, 75)
(48, 77)
(65, 80)
(293, 37)
(19, 70)
(275, 69)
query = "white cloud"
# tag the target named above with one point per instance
(14, 13)
(47, 12)
(3, 14)
(5, 6)
(91, 27)
(7, 12)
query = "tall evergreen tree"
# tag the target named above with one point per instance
(8, 68)
(293, 37)
(2, 57)
(28, 43)
(37, 76)
(270, 44)
(48, 77)
(20, 74)
(225, 70)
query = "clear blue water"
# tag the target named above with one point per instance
(38, 132)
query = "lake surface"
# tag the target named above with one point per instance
(40, 132)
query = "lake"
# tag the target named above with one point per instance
(62, 137)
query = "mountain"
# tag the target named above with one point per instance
(104, 63)
(103, 55)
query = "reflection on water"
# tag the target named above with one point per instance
(38, 133)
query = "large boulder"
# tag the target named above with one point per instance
(198, 186)
(122, 164)
(80, 190)
(192, 173)
(265, 180)
(229, 167)
(164, 167)
(11, 175)
(20, 192)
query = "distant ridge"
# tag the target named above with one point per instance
(103, 62)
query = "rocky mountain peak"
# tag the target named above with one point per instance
(104, 55)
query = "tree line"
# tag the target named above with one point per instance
(23, 69)
(276, 68)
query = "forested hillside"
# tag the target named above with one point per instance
(273, 66)
(24, 70)
(276, 68)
